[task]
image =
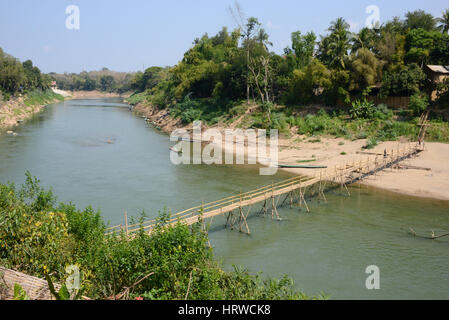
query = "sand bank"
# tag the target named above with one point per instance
(331, 152)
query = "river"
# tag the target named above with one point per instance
(96, 152)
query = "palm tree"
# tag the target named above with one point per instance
(363, 39)
(333, 48)
(444, 21)
(262, 38)
(338, 43)
(339, 25)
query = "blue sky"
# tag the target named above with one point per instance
(133, 34)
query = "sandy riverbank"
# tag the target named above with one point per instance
(331, 152)
(412, 178)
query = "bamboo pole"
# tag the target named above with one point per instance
(290, 187)
(126, 224)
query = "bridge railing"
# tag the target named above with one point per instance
(267, 191)
(204, 208)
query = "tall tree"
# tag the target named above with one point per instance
(334, 48)
(308, 82)
(394, 26)
(364, 39)
(444, 21)
(259, 65)
(248, 29)
(304, 47)
(365, 70)
(420, 19)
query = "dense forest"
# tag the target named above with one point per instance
(102, 80)
(335, 69)
(20, 77)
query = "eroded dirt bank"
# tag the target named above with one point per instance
(15, 111)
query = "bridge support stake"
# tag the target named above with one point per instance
(243, 220)
(264, 208)
(302, 200)
(305, 203)
(290, 197)
(230, 221)
(274, 210)
(321, 189)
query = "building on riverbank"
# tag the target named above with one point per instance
(437, 74)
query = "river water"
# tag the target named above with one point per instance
(96, 152)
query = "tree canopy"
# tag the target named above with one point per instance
(237, 65)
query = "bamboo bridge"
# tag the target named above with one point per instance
(236, 208)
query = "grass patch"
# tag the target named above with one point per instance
(305, 161)
(371, 143)
(137, 98)
(38, 97)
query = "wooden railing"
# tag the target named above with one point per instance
(348, 173)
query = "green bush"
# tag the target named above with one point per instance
(137, 98)
(37, 237)
(418, 103)
(382, 112)
(208, 110)
(371, 143)
(362, 109)
(33, 236)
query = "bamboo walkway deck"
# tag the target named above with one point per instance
(237, 208)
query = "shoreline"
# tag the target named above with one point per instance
(412, 178)
(16, 112)
(95, 94)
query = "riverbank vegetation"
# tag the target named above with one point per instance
(22, 78)
(342, 83)
(24, 90)
(38, 97)
(41, 238)
(103, 80)
(17, 77)
(22, 106)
